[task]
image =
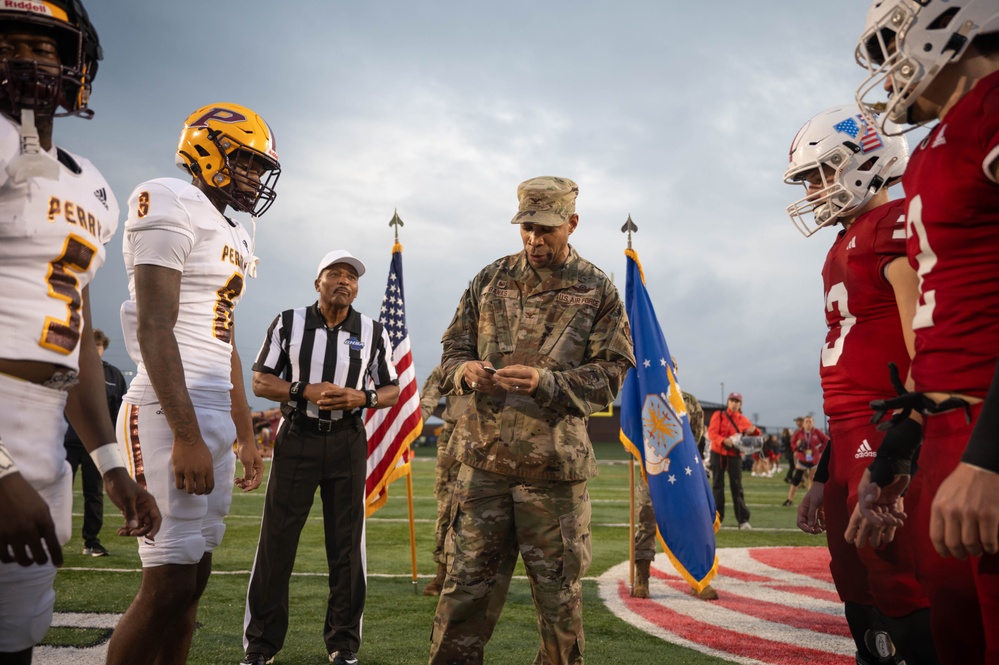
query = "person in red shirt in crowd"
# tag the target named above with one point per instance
(725, 430)
(939, 61)
(808, 444)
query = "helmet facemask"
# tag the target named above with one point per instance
(244, 179)
(45, 87)
(831, 202)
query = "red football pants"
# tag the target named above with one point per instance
(964, 595)
(884, 577)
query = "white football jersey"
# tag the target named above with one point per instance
(52, 237)
(172, 224)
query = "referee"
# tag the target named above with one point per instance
(319, 362)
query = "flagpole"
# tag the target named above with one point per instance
(630, 227)
(631, 523)
(412, 526)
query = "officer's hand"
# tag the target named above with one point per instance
(519, 379)
(26, 529)
(315, 393)
(193, 467)
(338, 398)
(478, 378)
(137, 506)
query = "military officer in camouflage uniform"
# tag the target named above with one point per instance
(540, 341)
(446, 472)
(645, 517)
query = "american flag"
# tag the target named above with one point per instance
(859, 130)
(390, 431)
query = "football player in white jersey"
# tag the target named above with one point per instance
(56, 214)
(187, 265)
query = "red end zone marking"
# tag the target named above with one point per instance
(810, 561)
(791, 616)
(721, 639)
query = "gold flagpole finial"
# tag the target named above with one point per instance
(396, 222)
(628, 228)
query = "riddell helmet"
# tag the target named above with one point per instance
(910, 41)
(853, 161)
(217, 145)
(25, 83)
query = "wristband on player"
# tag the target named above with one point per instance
(7, 466)
(107, 457)
(822, 468)
(297, 391)
(894, 458)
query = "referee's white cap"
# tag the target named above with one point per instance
(340, 256)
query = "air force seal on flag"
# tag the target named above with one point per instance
(662, 426)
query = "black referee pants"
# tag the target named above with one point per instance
(306, 459)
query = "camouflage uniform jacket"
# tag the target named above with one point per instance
(696, 416)
(573, 328)
(430, 397)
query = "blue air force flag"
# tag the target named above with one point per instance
(655, 428)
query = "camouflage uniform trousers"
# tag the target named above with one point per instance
(444, 481)
(645, 521)
(494, 517)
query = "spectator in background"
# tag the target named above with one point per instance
(725, 431)
(808, 444)
(79, 458)
(785, 441)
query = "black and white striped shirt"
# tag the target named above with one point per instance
(300, 347)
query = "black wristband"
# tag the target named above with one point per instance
(372, 398)
(896, 451)
(297, 391)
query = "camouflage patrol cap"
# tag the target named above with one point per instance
(546, 200)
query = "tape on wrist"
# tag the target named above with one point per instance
(107, 457)
(7, 465)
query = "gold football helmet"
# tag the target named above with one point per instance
(28, 83)
(231, 149)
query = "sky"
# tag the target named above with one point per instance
(679, 114)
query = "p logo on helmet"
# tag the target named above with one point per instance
(220, 114)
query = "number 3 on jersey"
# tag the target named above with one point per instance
(836, 300)
(63, 335)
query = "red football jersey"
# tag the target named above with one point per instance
(865, 331)
(952, 223)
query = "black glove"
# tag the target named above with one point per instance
(896, 453)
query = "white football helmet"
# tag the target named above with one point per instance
(910, 41)
(841, 152)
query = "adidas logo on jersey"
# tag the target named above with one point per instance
(102, 196)
(864, 450)
(852, 244)
(939, 140)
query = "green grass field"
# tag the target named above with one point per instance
(397, 621)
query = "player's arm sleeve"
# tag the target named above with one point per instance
(822, 468)
(983, 447)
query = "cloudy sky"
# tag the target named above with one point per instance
(679, 114)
